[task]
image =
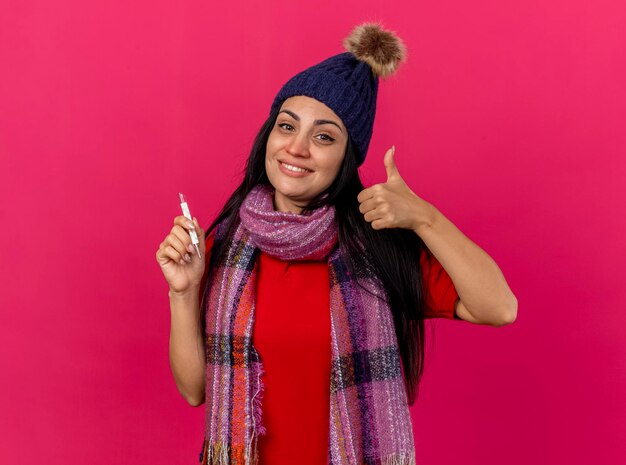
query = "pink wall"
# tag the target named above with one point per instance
(509, 117)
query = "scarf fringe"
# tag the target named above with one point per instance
(218, 454)
(222, 454)
(257, 412)
(399, 459)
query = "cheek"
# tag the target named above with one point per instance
(273, 143)
(334, 166)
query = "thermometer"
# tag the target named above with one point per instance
(192, 233)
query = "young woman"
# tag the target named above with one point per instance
(302, 328)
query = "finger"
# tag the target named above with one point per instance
(199, 229)
(183, 222)
(364, 195)
(172, 254)
(378, 224)
(390, 164)
(183, 236)
(369, 204)
(372, 215)
(173, 241)
(201, 237)
(160, 252)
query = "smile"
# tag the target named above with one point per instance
(293, 170)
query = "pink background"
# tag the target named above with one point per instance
(509, 116)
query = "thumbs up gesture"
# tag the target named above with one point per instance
(392, 204)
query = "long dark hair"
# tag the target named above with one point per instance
(393, 254)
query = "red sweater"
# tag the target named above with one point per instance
(292, 335)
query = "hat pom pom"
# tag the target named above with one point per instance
(382, 50)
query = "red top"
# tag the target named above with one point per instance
(292, 335)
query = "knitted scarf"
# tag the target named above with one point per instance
(369, 415)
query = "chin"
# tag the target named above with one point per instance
(295, 195)
(287, 187)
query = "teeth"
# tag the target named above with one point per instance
(293, 168)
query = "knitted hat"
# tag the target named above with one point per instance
(347, 83)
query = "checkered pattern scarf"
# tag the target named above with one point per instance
(369, 415)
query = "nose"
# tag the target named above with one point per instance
(298, 145)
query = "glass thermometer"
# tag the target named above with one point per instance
(192, 233)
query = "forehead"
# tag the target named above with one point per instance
(305, 106)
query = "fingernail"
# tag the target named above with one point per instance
(190, 225)
(190, 247)
(393, 149)
(187, 257)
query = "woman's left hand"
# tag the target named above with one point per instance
(392, 204)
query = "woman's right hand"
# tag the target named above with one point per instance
(181, 273)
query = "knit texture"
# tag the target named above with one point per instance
(369, 414)
(347, 86)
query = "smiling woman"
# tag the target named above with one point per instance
(304, 152)
(308, 346)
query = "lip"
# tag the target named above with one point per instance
(294, 164)
(293, 173)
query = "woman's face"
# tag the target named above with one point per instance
(307, 135)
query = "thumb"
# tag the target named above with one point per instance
(390, 164)
(200, 234)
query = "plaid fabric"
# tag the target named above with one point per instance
(369, 416)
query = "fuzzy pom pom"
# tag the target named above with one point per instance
(382, 50)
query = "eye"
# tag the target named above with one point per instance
(324, 137)
(327, 138)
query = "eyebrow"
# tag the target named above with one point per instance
(316, 122)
